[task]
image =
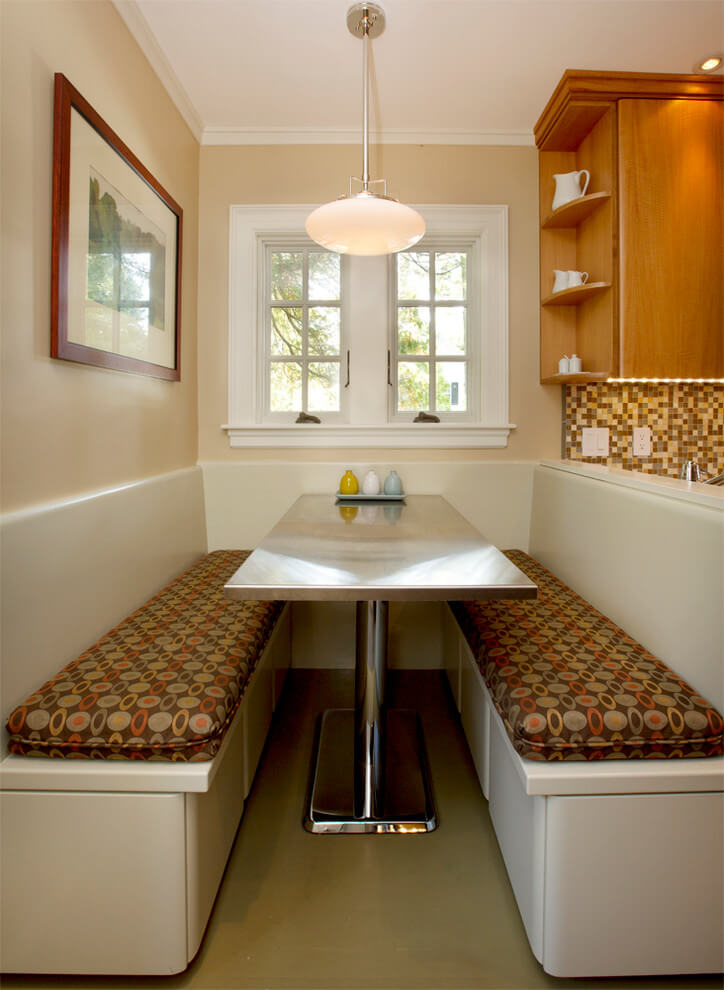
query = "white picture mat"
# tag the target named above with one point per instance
(88, 150)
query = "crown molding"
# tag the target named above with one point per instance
(136, 23)
(277, 135)
(217, 135)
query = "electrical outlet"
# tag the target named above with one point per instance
(602, 441)
(642, 441)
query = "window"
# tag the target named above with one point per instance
(431, 343)
(365, 344)
(302, 327)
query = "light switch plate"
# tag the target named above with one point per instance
(594, 441)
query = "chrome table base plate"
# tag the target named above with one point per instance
(407, 804)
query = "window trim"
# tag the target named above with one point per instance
(248, 225)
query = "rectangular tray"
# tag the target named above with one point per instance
(359, 497)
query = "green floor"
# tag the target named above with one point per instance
(432, 912)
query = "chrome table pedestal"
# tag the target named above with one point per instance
(370, 772)
(390, 788)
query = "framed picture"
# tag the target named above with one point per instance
(116, 260)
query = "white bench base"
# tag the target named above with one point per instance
(113, 866)
(616, 867)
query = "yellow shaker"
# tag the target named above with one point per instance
(348, 484)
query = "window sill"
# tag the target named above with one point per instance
(428, 435)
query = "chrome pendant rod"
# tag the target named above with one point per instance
(366, 21)
(365, 98)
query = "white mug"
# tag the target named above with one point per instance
(576, 278)
(568, 186)
(560, 280)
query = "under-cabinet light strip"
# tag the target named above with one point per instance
(665, 381)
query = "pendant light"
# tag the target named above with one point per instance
(365, 222)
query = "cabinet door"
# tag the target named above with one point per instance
(670, 209)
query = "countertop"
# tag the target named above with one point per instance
(689, 491)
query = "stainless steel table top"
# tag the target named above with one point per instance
(420, 549)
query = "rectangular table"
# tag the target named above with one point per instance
(370, 772)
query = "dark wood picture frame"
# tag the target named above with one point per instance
(70, 232)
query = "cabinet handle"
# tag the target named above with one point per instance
(389, 379)
(346, 384)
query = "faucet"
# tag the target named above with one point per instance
(692, 472)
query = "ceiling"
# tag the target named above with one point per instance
(443, 71)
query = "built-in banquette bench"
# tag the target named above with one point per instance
(118, 835)
(602, 766)
(616, 865)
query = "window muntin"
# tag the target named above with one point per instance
(431, 341)
(302, 331)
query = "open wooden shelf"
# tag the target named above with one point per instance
(571, 214)
(578, 378)
(575, 296)
(632, 132)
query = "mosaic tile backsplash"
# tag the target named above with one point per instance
(686, 421)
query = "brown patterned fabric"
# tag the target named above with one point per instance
(163, 685)
(571, 685)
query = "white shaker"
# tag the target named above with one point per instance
(564, 365)
(575, 365)
(371, 484)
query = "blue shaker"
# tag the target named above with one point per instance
(393, 485)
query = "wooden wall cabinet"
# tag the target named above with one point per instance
(648, 232)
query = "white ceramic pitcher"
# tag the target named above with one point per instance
(568, 186)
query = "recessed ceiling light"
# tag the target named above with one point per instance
(709, 64)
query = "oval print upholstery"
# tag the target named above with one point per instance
(163, 685)
(571, 685)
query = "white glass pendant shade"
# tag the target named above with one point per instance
(365, 224)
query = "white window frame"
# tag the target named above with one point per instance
(267, 245)
(249, 226)
(438, 245)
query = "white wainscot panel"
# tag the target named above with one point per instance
(88, 562)
(245, 499)
(622, 547)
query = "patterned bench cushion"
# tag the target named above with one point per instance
(571, 685)
(163, 685)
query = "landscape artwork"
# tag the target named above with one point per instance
(126, 273)
(116, 260)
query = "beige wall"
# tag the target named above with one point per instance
(417, 174)
(66, 428)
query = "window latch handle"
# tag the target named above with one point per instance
(389, 376)
(346, 384)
